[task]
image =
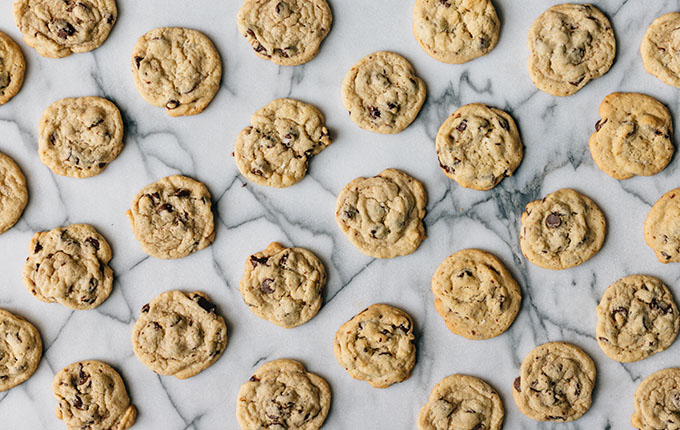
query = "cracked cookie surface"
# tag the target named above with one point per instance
(58, 28)
(460, 402)
(561, 231)
(283, 285)
(662, 227)
(178, 69)
(382, 93)
(179, 334)
(20, 350)
(287, 32)
(377, 346)
(475, 294)
(383, 216)
(660, 47)
(555, 383)
(276, 148)
(569, 44)
(634, 136)
(79, 137)
(280, 395)
(456, 31)
(657, 401)
(13, 193)
(478, 146)
(637, 317)
(172, 217)
(69, 265)
(92, 395)
(12, 68)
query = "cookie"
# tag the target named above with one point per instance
(283, 285)
(569, 44)
(92, 396)
(383, 216)
(382, 93)
(13, 193)
(276, 148)
(58, 28)
(556, 383)
(179, 334)
(462, 402)
(634, 136)
(455, 31)
(69, 265)
(178, 69)
(172, 217)
(12, 68)
(478, 146)
(377, 346)
(20, 350)
(79, 137)
(656, 401)
(636, 318)
(662, 227)
(561, 231)
(659, 49)
(287, 32)
(475, 294)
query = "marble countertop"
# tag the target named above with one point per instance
(557, 306)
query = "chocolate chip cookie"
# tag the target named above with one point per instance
(276, 148)
(20, 350)
(659, 49)
(12, 68)
(283, 285)
(561, 231)
(478, 146)
(475, 294)
(58, 28)
(382, 93)
(283, 395)
(455, 31)
(377, 346)
(555, 383)
(79, 137)
(634, 136)
(178, 69)
(383, 216)
(179, 334)
(462, 402)
(69, 265)
(636, 318)
(287, 32)
(92, 396)
(172, 217)
(569, 44)
(13, 193)
(657, 401)
(662, 227)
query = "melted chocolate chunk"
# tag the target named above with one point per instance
(145, 308)
(258, 260)
(37, 248)
(462, 126)
(374, 112)
(266, 286)
(205, 304)
(94, 242)
(599, 124)
(553, 220)
(182, 193)
(517, 384)
(66, 30)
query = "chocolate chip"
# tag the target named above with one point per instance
(483, 43)
(266, 286)
(283, 259)
(78, 403)
(101, 165)
(37, 248)
(600, 123)
(156, 325)
(504, 123)
(656, 305)
(254, 379)
(445, 167)
(66, 30)
(250, 33)
(145, 308)
(280, 52)
(94, 242)
(166, 207)
(258, 260)
(109, 19)
(172, 104)
(445, 3)
(374, 112)
(620, 310)
(259, 48)
(578, 81)
(138, 60)
(182, 193)
(83, 377)
(205, 304)
(392, 105)
(553, 220)
(350, 212)
(257, 172)
(517, 384)
(462, 126)
(665, 255)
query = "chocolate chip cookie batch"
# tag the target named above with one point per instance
(182, 333)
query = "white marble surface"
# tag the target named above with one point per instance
(556, 306)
